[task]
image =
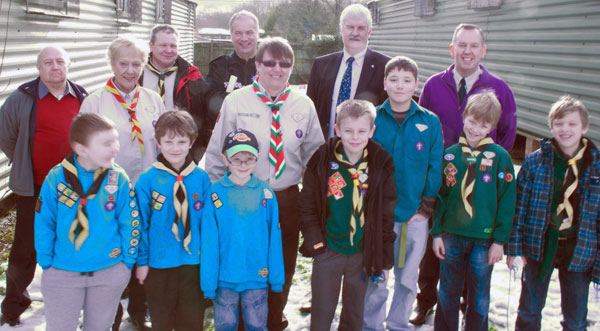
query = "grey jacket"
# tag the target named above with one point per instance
(17, 122)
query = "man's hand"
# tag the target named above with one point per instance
(141, 273)
(416, 216)
(495, 253)
(510, 260)
(438, 248)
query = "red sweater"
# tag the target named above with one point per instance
(51, 138)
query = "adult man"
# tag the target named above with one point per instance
(34, 121)
(233, 71)
(446, 94)
(178, 82)
(354, 73)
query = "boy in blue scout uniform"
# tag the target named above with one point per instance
(474, 217)
(86, 229)
(347, 216)
(241, 239)
(171, 197)
(413, 137)
(557, 221)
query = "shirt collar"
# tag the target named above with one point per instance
(265, 92)
(225, 181)
(127, 96)
(43, 91)
(358, 58)
(469, 80)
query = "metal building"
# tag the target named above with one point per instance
(542, 48)
(84, 28)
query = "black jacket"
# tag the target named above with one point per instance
(380, 201)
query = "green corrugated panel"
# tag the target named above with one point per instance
(542, 48)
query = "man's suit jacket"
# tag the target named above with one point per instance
(322, 80)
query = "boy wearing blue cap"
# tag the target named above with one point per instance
(241, 239)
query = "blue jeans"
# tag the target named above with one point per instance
(470, 257)
(254, 309)
(574, 290)
(405, 285)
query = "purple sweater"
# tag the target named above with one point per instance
(440, 96)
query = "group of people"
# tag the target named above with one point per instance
(427, 189)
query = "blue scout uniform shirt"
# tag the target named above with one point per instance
(416, 148)
(158, 246)
(113, 220)
(241, 238)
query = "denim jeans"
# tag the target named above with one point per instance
(254, 309)
(574, 290)
(470, 257)
(405, 285)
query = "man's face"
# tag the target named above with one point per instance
(467, 50)
(355, 32)
(244, 35)
(53, 66)
(164, 49)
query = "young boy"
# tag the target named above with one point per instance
(347, 216)
(241, 239)
(413, 137)
(86, 229)
(474, 218)
(171, 196)
(557, 221)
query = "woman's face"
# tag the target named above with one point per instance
(272, 75)
(127, 68)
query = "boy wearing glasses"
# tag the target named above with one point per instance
(241, 239)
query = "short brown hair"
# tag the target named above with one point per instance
(86, 125)
(355, 109)
(484, 106)
(467, 26)
(566, 105)
(166, 28)
(402, 63)
(278, 47)
(177, 122)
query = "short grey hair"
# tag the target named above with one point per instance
(166, 28)
(243, 13)
(121, 43)
(356, 10)
(60, 49)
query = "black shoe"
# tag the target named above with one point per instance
(12, 321)
(421, 317)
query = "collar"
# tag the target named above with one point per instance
(43, 91)
(469, 80)
(226, 182)
(265, 92)
(414, 107)
(172, 64)
(127, 96)
(358, 58)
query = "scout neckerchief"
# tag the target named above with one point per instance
(136, 130)
(80, 228)
(276, 151)
(161, 77)
(568, 199)
(180, 199)
(357, 201)
(468, 182)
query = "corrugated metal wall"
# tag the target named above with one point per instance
(542, 48)
(85, 38)
(183, 16)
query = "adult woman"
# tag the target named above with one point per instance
(281, 117)
(134, 109)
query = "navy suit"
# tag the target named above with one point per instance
(324, 72)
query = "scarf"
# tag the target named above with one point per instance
(180, 199)
(80, 227)
(468, 182)
(276, 151)
(358, 184)
(161, 77)
(570, 183)
(136, 130)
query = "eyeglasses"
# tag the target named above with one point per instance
(238, 162)
(271, 64)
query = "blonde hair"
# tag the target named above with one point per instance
(355, 109)
(122, 43)
(566, 105)
(484, 106)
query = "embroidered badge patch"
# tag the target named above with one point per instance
(482, 167)
(486, 178)
(419, 146)
(38, 205)
(132, 204)
(158, 200)
(298, 117)
(218, 204)
(134, 213)
(196, 196)
(66, 196)
(299, 133)
(450, 172)
(334, 165)
(264, 203)
(198, 205)
(111, 189)
(112, 178)
(508, 177)
(214, 197)
(131, 251)
(109, 206)
(115, 253)
(135, 223)
(264, 272)
(318, 245)
(421, 127)
(268, 194)
(335, 185)
(135, 232)
(501, 175)
(449, 157)
(489, 154)
(487, 162)
(134, 242)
